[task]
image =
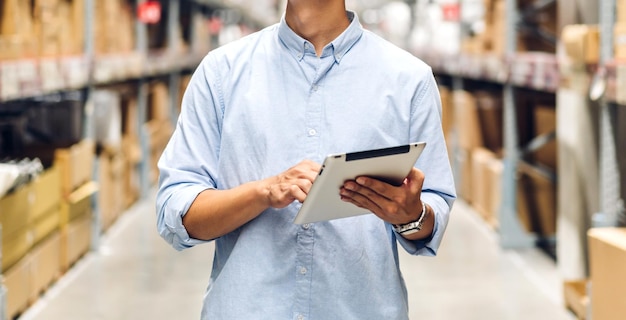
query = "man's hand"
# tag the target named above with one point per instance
(396, 205)
(293, 184)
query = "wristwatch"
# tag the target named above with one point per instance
(411, 227)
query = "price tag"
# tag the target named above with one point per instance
(149, 12)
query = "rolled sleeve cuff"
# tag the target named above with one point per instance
(429, 246)
(172, 228)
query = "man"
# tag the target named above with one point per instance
(258, 117)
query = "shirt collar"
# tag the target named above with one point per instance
(298, 46)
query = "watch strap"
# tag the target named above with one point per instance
(412, 227)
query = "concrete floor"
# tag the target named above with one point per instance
(136, 275)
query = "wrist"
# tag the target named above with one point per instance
(413, 226)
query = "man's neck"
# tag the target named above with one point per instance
(319, 21)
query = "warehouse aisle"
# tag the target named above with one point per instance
(136, 275)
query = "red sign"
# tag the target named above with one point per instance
(149, 12)
(451, 11)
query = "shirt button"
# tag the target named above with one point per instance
(303, 270)
(300, 317)
(315, 87)
(306, 226)
(312, 132)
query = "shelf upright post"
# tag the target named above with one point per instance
(89, 48)
(512, 235)
(609, 172)
(174, 48)
(142, 107)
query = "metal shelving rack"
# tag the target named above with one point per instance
(541, 72)
(88, 71)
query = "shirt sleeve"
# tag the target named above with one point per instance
(438, 190)
(185, 169)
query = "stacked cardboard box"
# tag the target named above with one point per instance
(17, 34)
(492, 39)
(52, 28)
(486, 184)
(478, 121)
(467, 124)
(114, 27)
(111, 156)
(77, 187)
(30, 222)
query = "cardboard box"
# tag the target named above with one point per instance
(464, 158)
(581, 43)
(130, 122)
(28, 215)
(76, 165)
(159, 102)
(15, 17)
(536, 200)
(45, 193)
(481, 185)
(113, 27)
(45, 261)
(489, 106)
(467, 121)
(75, 240)
(16, 247)
(45, 225)
(485, 186)
(493, 171)
(17, 283)
(607, 262)
(78, 203)
(545, 122)
(621, 11)
(576, 298)
(111, 182)
(15, 209)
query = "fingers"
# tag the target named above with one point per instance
(390, 203)
(293, 184)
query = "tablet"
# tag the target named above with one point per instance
(323, 201)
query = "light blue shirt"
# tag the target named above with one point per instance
(260, 105)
